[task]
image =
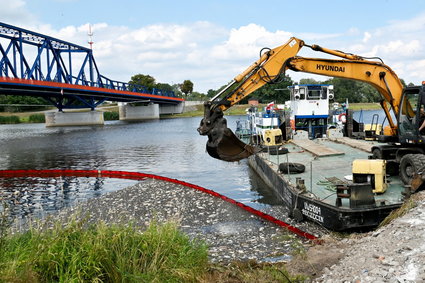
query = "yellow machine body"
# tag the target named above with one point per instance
(371, 167)
(273, 137)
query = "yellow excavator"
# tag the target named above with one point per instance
(404, 144)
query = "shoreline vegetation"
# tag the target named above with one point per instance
(111, 113)
(77, 252)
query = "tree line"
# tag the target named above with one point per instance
(354, 91)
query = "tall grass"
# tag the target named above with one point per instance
(102, 253)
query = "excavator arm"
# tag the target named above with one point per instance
(223, 144)
(377, 74)
(268, 69)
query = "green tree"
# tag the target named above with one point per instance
(211, 93)
(18, 99)
(177, 91)
(308, 81)
(354, 91)
(142, 80)
(186, 87)
(277, 92)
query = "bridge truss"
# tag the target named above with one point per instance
(28, 57)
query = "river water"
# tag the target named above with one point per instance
(166, 147)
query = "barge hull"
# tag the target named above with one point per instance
(302, 207)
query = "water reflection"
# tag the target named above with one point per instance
(37, 196)
(167, 147)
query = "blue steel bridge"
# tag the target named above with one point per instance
(63, 73)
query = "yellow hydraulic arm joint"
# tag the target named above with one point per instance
(266, 69)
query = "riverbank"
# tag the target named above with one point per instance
(201, 216)
(241, 246)
(111, 113)
(394, 252)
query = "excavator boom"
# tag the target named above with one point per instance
(222, 142)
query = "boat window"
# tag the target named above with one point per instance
(324, 93)
(302, 93)
(313, 94)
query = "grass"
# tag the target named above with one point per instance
(79, 252)
(102, 253)
(9, 120)
(37, 118)
(406, 207)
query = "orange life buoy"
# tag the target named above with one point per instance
(342, 117)
(292, 124)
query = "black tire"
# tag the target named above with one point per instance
(377, 153)
(277, 151)
(292, 168)
(409, 165)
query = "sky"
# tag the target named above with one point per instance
(210, 42)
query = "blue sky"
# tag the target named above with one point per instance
(210, 42)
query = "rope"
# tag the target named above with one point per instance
(143, 176)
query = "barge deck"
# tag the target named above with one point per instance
(324, 193)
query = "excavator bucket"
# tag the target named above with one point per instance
(222, 143)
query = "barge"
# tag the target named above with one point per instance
(325, 192)
(320, 174)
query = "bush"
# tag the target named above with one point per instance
(101, 253)
(9, 120)
(37, 118)
(108, 115)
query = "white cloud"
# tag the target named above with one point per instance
(15, 13)
(246, 42)
(366, 36)
(210, 55)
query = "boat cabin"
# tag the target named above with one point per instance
(309, 108)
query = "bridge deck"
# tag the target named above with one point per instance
(55, 89)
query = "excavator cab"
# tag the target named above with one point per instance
(412, 116)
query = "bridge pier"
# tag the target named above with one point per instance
(87, 118)
(130, 112)
(171, 108)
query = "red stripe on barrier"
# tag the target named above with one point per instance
(142, 176)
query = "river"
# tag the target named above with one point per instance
(166, 147)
